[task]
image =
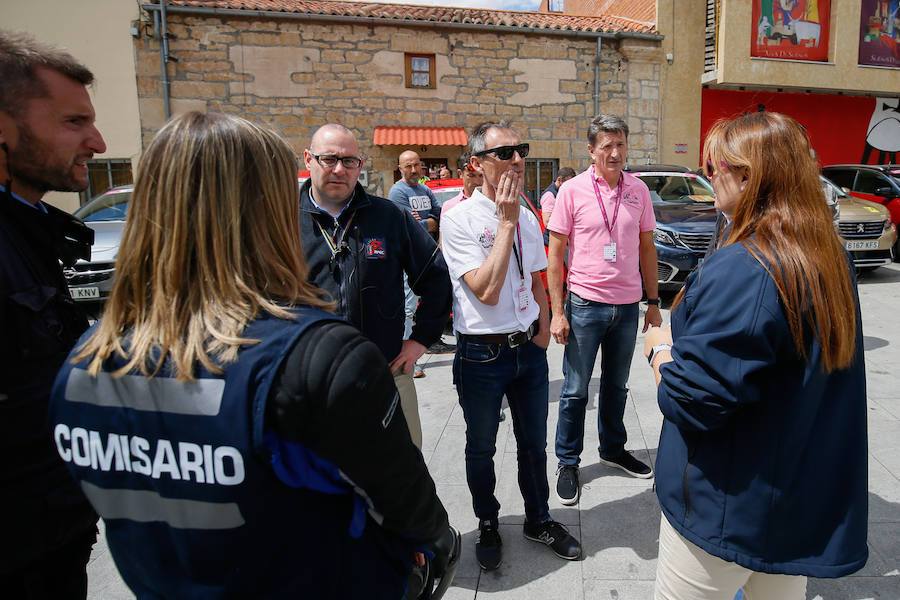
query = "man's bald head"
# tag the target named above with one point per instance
(330, 133)
(409, 163)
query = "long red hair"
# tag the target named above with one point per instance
(784, 222)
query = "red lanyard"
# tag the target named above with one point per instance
(600, 200)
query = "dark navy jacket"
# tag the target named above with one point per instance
(191, 486)
(762, 456)
(366, 278)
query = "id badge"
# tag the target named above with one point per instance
(609, 252)
(524, 298)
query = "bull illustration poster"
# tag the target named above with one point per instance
(791, 29)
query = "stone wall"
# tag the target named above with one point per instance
(294, 76)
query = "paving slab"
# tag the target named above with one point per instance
(617, 518)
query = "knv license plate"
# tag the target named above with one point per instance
(84, 293)
(869, 245)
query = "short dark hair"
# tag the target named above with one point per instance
(606, 124)
(565, 173)
(476, 139)
(20, 58)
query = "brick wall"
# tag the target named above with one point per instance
(294, 76)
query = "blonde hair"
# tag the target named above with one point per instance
(784, 222)
(212, 240)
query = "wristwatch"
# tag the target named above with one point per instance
(655, 349)
(653, 301)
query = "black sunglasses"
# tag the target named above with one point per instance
(506, 152)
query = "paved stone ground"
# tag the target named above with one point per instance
(617, 518)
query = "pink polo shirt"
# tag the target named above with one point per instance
(446, 206)
(577, 214)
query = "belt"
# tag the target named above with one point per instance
(514, 339)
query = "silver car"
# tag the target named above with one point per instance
(91, 280)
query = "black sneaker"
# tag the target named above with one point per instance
(567, 484)
(489, 547)
(555, 535)
(440, 347)
(629, 464)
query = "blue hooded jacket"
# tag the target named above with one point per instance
(762, 456)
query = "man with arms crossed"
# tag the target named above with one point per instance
(605, 217)
(495, 254)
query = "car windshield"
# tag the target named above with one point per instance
(832, 189)
(111, 206)
(681, 188)
(445, 194)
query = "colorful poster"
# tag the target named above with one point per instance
(879, 33)
(791, 29)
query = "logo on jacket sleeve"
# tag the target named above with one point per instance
(375, 249)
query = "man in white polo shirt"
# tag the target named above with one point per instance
(495, 253)
(605, 217)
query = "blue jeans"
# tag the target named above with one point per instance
(483, 374)
(612, 328)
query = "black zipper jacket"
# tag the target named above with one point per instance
(376, 244)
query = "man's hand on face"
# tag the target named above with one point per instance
(410, 352)
(507, 197)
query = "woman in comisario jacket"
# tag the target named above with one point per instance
(761, 468)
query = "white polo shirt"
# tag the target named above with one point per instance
(467, 236)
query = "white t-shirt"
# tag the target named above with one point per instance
(467, 236)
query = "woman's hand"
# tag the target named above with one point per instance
(656, 336)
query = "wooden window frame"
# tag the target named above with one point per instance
(432, 83)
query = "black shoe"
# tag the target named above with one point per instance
(629, 464)
(567, 484)
(440, 347)
(556, 536)
(489, 547)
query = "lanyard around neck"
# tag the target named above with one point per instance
(335, 242)
(518, 255)
(609, 226)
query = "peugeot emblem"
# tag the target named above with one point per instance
(860, 228)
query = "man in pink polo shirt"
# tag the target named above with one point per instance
(471, 179)
(548, 197)
(605, 218)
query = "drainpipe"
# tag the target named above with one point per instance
(597, 77)
(164, 58)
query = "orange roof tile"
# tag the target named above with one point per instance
(514, 19)
(420, 136)
(641, 11)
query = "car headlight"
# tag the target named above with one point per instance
(663, 237)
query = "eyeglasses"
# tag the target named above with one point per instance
(506, 152)
(330, 161)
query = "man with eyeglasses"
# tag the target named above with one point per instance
(360, 248)
(495, 253)
(605, 218)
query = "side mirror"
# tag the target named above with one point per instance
(846, 190)
(885, 192)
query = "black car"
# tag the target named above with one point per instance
(683, 203)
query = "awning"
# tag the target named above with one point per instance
(420, 136)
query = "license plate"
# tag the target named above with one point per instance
(869, 245)
(84, 293)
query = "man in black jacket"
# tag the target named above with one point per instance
(358, 247)
(47, 135)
